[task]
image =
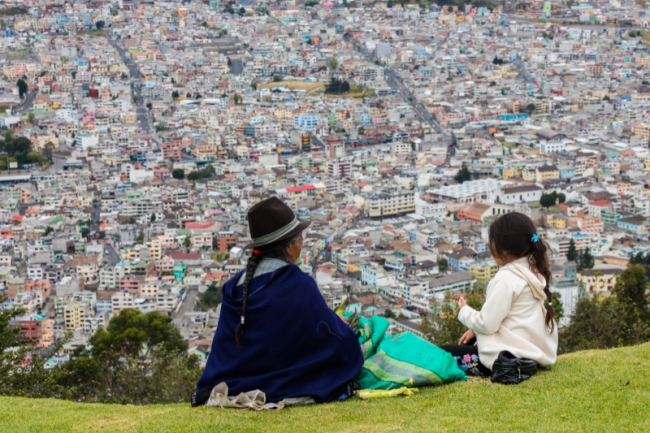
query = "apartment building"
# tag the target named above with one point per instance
(73, 316)
(395, 203)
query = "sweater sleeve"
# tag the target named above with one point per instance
(496, 308)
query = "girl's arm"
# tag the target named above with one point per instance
(496, 308)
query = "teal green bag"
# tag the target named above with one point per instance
(393, 361)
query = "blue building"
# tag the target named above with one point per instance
(631, 224)
(308, 122)
(514, 116)
(567, 172)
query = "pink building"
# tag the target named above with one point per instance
(120, 301)
(591, 225)
(166, 264)
(130, 284)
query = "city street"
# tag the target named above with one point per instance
(188, 306)
(397, 85)
(142, 113)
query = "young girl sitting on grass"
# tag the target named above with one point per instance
(514, 317)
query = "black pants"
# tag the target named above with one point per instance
(467, 349)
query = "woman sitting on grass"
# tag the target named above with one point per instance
(276, 332)
(513, 318)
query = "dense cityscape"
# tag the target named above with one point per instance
(137, 134)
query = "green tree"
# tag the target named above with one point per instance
(178, 173)
(587, 260)
(22, 87)
(211, 298)
(153, 218)
(463, 174)
(630, 289)
(254, 86)
(611, 321)
(334, 63)
(48, 150)
(129, 360)
(558, 307)
(140, 238)
(31, 118)
(443, 264)
(561, 198)
(16, 352)
(530, 109)
(187, 242)
(572, 252)
(175, 94)
(388, 313)
(149, 106)
(48, 230)
(443, 327)
(548, 200)
(236, 98)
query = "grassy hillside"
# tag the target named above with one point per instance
(587, 391)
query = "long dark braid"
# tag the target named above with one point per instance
(251, 266)
(274, 250)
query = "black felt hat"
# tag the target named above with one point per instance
(271, 220)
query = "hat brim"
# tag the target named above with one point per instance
(301, 226)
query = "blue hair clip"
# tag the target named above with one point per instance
(534, 239)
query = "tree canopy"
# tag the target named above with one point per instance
(178, 173)
(463, 174)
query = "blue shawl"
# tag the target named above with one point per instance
(293, 345)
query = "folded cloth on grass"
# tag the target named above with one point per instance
(393, 361)
(250, 400)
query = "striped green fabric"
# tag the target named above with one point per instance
(393, 361)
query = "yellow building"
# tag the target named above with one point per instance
(641, 131)
(391, 204)
(156, 249)
(510, 172)
(557, 221)
(547, 172)
(73, 315)
(598, 282)
(484, 271)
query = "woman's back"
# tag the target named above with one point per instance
(293, 345)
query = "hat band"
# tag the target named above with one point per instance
(273, 236)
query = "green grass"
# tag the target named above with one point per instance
(509, 145)
(584, 391)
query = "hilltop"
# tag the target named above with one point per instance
(603, 390)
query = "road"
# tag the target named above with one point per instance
(141, 111)
(397, 85)
(94, 215)
(27, 105)
(112, 255)
(187, 307)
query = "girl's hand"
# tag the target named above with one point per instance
(462, 302)
(466, 337)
